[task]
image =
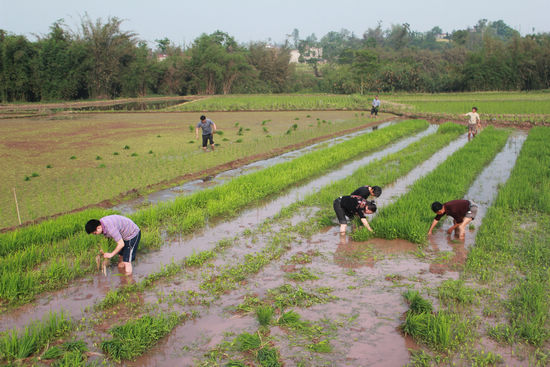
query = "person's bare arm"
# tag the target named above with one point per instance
(215, 128)
(434, 223)
(366, 224)
(196, 133)
(119, 246)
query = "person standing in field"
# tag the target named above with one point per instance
(474, 124)
(375, 107)
(462, 211)
(124, 232)
(208, 129)
(366, 191)
(351, 206)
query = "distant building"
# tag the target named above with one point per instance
(294, 56)
(443, 37)
(309, 53)
(161, 57)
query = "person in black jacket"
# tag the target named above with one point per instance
(350, 206)
(366, 191)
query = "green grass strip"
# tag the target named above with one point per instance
(48, 231)
(135, 337)
(513, 242)
(16, 345)
(18, 284)
(383, 171)
(278, 102)
(410, 216)
(188, 213)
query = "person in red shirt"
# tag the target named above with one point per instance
(462, 211)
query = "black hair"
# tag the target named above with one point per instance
(203, 117)
(92, 225)
(474, 108)
(371, 206)
(376, 191)
(437, 206)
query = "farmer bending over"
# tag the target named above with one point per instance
(366, 191)
(351, 206)
(124, 232)
(462, 211)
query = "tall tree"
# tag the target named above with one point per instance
(111, 50)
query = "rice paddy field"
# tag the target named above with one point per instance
(252, 271)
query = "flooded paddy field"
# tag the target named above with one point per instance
(328, 300)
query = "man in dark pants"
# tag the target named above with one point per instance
(351, 206)
(462, 211)
(208, 129)
(366, 191)
(124, 232)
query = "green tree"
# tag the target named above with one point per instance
(19, 69)
(111, 50)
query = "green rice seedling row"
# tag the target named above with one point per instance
(512, 247)
(410, 217)
(182, 215)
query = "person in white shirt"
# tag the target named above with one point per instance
(474, 124)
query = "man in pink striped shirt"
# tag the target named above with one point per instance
(124, 232)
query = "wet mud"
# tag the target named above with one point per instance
(222, 177)
(175, 249)
(483, 192)
(368, 278)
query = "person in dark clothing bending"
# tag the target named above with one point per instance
(366, 191)
(462, 211)
(351, 206)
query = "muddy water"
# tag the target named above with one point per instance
(483, 191)
(84, 292)
(369, 278)
(211, 181)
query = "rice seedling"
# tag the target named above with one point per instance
(52, 353)
(268, 357)
(302, 275)
(246, 342)
(409, 217)
(432, 329)
(135, 337)
(16, 345)
(455, 291)
(264, 315)
(49, 166)
(71, 359)
(417, 303)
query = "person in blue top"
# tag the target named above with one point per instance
(375, 107)
(208, 129)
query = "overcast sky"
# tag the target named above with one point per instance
(182, 21)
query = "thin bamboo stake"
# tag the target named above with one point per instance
(16, 206)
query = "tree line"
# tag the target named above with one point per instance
(100, 60)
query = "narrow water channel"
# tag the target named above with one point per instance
(87, 291)
(190, 187)
(369, 279)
